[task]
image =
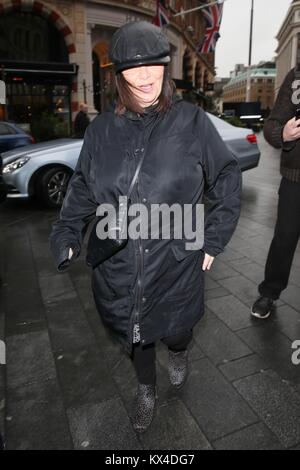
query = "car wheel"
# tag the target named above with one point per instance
(52, 186)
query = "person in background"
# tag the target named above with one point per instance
(282, 131)
(82, 121)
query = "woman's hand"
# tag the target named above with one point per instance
(291, 131)
(207, 262)
(70, 253)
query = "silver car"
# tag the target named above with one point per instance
(44, 169)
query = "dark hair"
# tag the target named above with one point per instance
(125, 99)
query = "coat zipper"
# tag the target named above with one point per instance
(134, 320)
(138, 299)
(136, 323)
(141, 271)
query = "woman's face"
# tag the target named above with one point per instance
(145, 82)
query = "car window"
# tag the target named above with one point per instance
(6, 130)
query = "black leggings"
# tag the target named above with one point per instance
(284, 243)
(143, 357)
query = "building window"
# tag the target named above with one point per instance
(18, 37)
(27, 36)
(27, 40)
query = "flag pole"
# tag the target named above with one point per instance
(216, 2)
(251, 33)
(248, 91)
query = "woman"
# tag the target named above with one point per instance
(153, 288)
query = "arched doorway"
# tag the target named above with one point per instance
(198, 76)
(205, 81)
(34, 63)
(96, 82)
(102, 77)
(187, 66)
(27, 36)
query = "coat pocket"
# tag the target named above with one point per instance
(181, 252)
(185, 272)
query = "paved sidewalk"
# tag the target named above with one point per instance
(68, 386)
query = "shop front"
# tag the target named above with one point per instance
(38, 75)
(37, 90)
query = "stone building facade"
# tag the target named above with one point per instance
(288, 50)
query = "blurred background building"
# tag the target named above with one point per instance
(262, 85)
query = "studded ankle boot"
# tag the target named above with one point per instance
(178, 367)
(144, 407)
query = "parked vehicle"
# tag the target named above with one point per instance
(12, 136)
(3, 188)
(242, 142)
(45, 169)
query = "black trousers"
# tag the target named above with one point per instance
(143, 357)
(284, 243)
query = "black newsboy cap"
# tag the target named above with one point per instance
(138, 43)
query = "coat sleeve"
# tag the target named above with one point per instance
(78, 209)
(222, 188)
(282, 112)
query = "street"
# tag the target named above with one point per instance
(69, 386)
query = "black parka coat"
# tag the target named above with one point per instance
(158, 283)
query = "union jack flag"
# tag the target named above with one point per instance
(213, 17)
(161, 17)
